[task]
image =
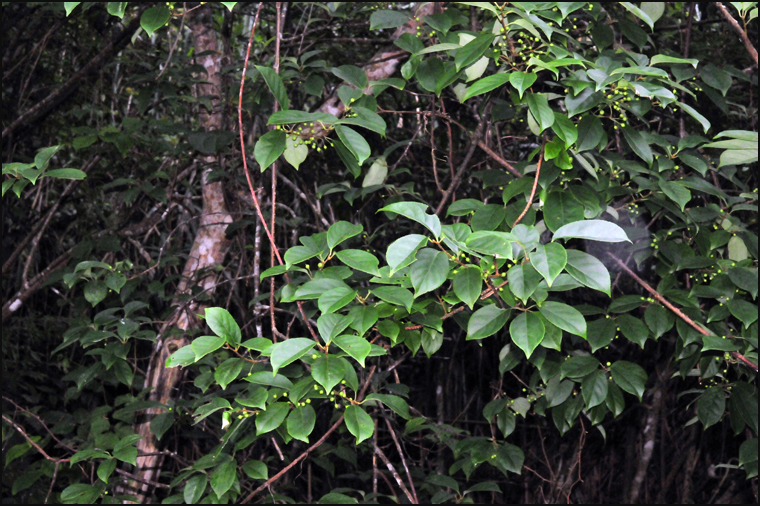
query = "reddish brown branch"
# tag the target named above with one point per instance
(533, 191)
(490, 152)
(738, 29)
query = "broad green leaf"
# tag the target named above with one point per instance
(638, 144)
(154, 18)
(549, 261)
(328, 371)
(521, 81)
(748, 455)
(288, 351)
(95, 291)
(510, 458)
(527, 331)
(181, 358)
(223, 477)
(561, 208)
(661, 58)
(486, 84)
(204, 345)
(295, 154)
(488, 217)
(376, 174)
(588, 270)
(403, 251)
(387, 19)
(298, 254)
(368, 119)
(269, 420)
(565, 129)
(593, 230)
(694, 114)
(639, 14)
(359, 423)
(293, 117)
(352, 74)
(590, 132)
(360, 260)
(355, 143)
(737, 250)
(341, 231)
(229, 5)
(397, 404)
(335, 299)
(395, 295)
(316, 288)
(658, 319)
(437, 48)
(228, 371)
(676, 191)
(745, 311)
(331, 325)
(492, 243)
(301, 422)
(70, 6)
(431, 340)
(557, 391)
(718, 343)
(105, 469)
(715, 77)
(255, 469)
(565, 317)
(579, 367)
(276, 86)
(486, 321)
(429, 271)
(269, 148)
(416, 211)
(66, 174)
(357, 347)
(711, 406)
(633, 329)
(539, 107)
(195, 487)
(221, 322)
(594, 389)
(467, 285)
(523, 281)
(473, 50)
(600, 332)
(629, 376)
(583, 101)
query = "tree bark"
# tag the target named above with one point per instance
(209, 248)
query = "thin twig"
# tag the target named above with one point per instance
(490, 152)
(533, 191)
(738, 29)
(395, 474)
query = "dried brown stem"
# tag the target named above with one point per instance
(490, 152)
(738, 29)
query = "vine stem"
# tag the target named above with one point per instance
(678, 312)
(256, 204)
(533, 191)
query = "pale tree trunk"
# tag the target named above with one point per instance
(209, 249)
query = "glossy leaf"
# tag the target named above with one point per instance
(341, 231)
(328, 371)
(269, 420)
(331, 325)
(473, 50)
(194, 488)
(357, 347)
(565, 317)
(351, 74)
(416, 211)
(492, 243)
(467, 284)
(154, 18)
(527, 331)
(521, 81)
(395, 295)
(221, 322)
(549, 261)
(523, 281)
(486, 84)
(359, 423)
(539, 107)
(594, 389)
(711, 406)
(223, 477)
(269, 147)
(301, 422)
(429, 271)
(276, 86)
(593, 230)
(288, 351)
(396, 403)
(355, 143)
(360, 260)
(403, 251)
(658, 319)
(629, 377)
(588, 270)
(486, 321)
(561, 208)
(387, 19)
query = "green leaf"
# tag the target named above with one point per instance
(203, 345)
(416, 211)
(269, 420)
(255, 469)
(363, 318)
(521, 81)
(594, 389)
(336, 498)
(549, 261)
(298, 254)
(154, 18)
(161, 423)
(295, 154)
(288, 351)
(583, 101)
(717, 78)
(395, 295)
(194, 488)
(182, 357)
(431, 341)
(588, 270)
(376, 174)
(486, 321)
(221, 322)
(486, 84)
(229, 5)
(331, 325)
(523, 281)
(467, 284)
(638, 144)
(561, 208)
(360, 260)
(301, 422)
(387, 19)
(578, 367)
(341, 231)
(539, 107)
(80, 493)
(565, 317)
(105, 469)
(335, 299)
(629, 376)
(359, 423)
(355, 143)
(224, 477)
(95, 291)
(748, 457)
(357, 347)
(694, 114)
(115, 281)
(403, 251)
(293, 117)
(661, 58)
(590, 132)
(658, 319)
(565, 129)
(429, 271)
(510, 458)
(593, 230)
(269, 148)
(676, 191)
(527, 331)
(352, 74)
(745, 311)
(328, 371)
(718, 343)
(66, 174)
(600, 333)
(276, 86)
(473, 50)
(711, 406)
(639, 14)
(70, 6)
(437, 48)
(492, 243)
(397, 404)
(633, 329)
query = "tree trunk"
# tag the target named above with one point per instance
(209, 248)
